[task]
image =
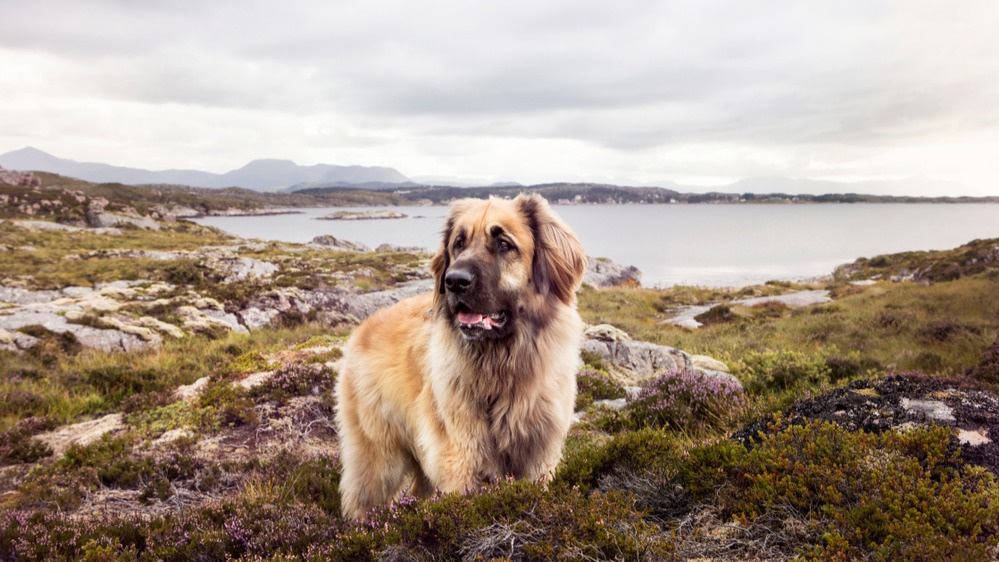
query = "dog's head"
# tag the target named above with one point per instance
(503, 262)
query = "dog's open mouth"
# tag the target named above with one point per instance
(469, 320)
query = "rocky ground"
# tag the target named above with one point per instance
(208, 428)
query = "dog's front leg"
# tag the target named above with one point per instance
(456, 450)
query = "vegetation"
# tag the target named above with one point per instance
(242, 464)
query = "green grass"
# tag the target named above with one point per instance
(941, 328)
(93, 382)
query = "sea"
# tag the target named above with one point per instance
(724, 245)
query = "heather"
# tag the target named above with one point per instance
(856, 429)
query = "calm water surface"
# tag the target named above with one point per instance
(709, 245)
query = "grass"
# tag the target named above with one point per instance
(941, 328)
(93, 382)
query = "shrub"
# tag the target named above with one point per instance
(987, 369)
(868, 496)
(781, 370)
(686, 400)
(520, 520)
(17, 444)
(585, 462)
(224, 405)
(592, 385)
(718, 314)
(295, 380)
(852, 365)
(116, 382)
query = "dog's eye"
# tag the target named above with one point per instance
(458, 244)
(504, 246)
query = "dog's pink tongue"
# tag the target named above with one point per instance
(469, 318)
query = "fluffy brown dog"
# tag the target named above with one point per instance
(475, 382)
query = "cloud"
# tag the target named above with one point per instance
(658, 87)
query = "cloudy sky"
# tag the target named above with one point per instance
(700, 92)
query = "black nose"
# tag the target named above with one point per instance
(458, 280)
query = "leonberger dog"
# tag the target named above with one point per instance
(475, 382)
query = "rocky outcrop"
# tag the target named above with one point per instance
(108, 220)
(602, 273)
(234, 268)
(20, 179)
(903, 401)
(404, 249)
(37, 226)
(635, 361)
(364, 305)
(331, 242)
(374, 214)
(83, 433)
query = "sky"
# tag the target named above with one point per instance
(634, 92)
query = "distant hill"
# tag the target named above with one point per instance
(260, 175)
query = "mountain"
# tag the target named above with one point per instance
(261, 175)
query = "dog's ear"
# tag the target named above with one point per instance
(559, 260)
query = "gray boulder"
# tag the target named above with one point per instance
(635, 361)
(362, 306)
(107, 220)
(602, 273)
(240, 268)
(333, 243)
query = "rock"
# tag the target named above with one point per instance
(602, 273)
(20, 318)
(240, 268)
(169, 437)
(403, 249)
(161, 326)
(637, 360)
(703, 362)
(110, 340)
(125, 325)
(263, 309)
(902, 402)
(74, 292)
(191, 391)
(932, 409)
(17, 295)
(373, 214)
(333, 243)
(364, 305)
(606, 333)
(616, 404)
(16, 341)
(205, 320)
(107, 220)
(255, 380)
(82, 434)
(46, 226)
(255, 318)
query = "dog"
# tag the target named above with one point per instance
(475, 382)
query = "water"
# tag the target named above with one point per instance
(707, 245)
